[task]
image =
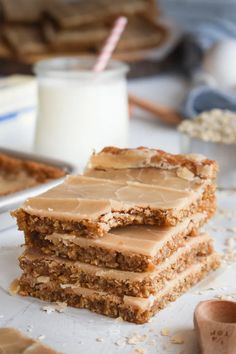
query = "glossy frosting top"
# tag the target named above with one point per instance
(80, 197)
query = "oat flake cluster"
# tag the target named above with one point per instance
(217, 126)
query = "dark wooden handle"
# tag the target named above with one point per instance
(165, 114)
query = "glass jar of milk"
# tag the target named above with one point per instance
(78, 110)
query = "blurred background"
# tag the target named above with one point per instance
(185, 9)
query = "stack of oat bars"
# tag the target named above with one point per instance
(33, 30)
(122, 240)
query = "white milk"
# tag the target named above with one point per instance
(79, 114)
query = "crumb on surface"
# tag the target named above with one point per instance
(165, 332)
(177, 339)
(136, 338)
(54, 307)
(41, 337)
(139, 351)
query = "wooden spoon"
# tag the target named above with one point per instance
(215, 323)
(165, 114)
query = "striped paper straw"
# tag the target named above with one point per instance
(110, 44)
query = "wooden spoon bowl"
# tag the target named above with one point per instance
(215, 323)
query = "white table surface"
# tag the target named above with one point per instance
(77, 331)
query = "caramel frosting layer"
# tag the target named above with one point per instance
(119, 275)
(141, 239)
(148, 175)
(13, 341)
(80, 197)
(112, 157)
(147, 303)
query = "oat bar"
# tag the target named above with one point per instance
(90, 207)
(17, 174)
(88, 37)
(132, 248)
(188, 167)
(129, 308)
(13, 341)
(69, 274)
(25, 39)
(75, 15)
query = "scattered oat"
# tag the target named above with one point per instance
(229, 256)
(120, 342)
(222, 297)
(58, 307)
(177, 339)
(99, 339)
(228, 297)
(41, 337)
(139, 351)
(215, 125)
(165, 332)
(119, 319)
(231, 229)
(136, 338)
(48, 309)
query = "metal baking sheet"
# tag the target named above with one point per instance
(13, 200)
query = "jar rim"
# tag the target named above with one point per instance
(69, 68)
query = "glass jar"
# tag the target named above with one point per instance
(78, 110)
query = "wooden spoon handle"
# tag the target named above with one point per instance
(165, 114)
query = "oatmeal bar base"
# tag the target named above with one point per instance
(110, 258)
(115, 306)
(117, 282)
(93, 229)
